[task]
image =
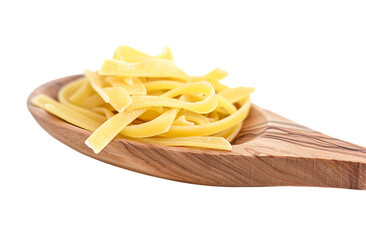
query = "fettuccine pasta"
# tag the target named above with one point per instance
(149, 99)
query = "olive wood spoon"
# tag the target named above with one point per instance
(269, 151)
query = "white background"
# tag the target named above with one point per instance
(307, 60)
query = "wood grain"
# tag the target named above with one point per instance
(269, 151)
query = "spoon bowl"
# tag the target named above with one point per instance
(270, 150)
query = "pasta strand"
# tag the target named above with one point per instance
(149, 99)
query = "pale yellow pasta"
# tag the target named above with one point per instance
(108, 130)
(133, 86)
(219, 87)
(224, 105)
(182, 121)
(67, 91)
(236, 94)
(213, 116)
(157, 126)
(145, 68)
(191, 97)
(215, 75)
(230, 133)
(193, 117)
(95, 100)
(72, 117)
(103, 110)
(149, 99)
(151, 113)
(132, 55)
(234, 133)
(212, 127)
(83, 92)
(161, 85)
(208, 104)
(116, 96)
(66, 112)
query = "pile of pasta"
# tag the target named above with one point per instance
(149, 99)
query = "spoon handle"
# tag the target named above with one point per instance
(297, 155)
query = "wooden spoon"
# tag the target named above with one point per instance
(269, 151)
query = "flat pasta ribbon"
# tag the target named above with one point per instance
(149, 99)
(146, 68)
